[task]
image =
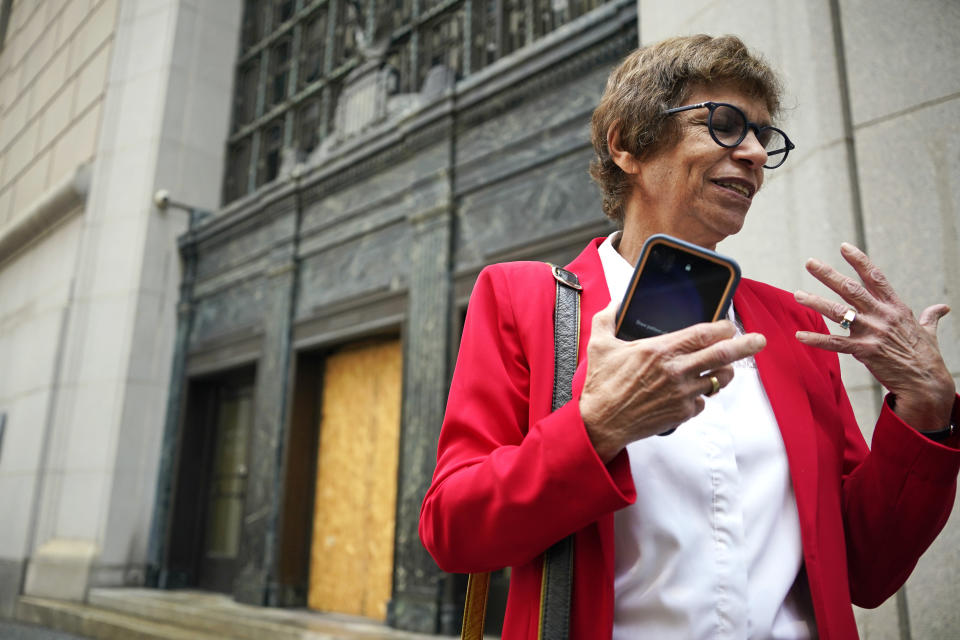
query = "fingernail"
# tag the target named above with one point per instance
(846, 246)
(813, 262)
(799, 294)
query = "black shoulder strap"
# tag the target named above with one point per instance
(558, 560)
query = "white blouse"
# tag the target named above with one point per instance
(711, 547)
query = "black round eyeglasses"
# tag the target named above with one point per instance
(728, 126)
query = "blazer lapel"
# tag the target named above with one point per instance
(782, 378)
(594, 297)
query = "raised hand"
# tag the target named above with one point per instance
(641, 388)
(899, 349)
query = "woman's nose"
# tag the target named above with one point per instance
(750, 149)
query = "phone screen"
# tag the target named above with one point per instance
(675, 287)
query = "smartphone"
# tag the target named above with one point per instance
(675, 284)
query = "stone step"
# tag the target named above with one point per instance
(91, 622)
(221, 616)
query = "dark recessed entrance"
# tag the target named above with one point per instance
(211, 481)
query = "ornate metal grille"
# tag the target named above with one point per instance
(296, 54)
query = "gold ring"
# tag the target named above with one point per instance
(848, 318)
(714, 386)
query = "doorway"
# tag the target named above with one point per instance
(226, 488)
(210, 485)
(351, 551)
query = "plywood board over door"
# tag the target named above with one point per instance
(351, 555)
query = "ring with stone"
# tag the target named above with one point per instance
(848, 318)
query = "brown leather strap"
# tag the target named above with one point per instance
(475, 607)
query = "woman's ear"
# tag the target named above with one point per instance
(627, 162)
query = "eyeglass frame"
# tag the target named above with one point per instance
(712, 106)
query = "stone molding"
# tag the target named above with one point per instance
(50, 209)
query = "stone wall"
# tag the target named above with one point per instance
(103, 102)
(53, 71)
(872, 103)
(53, 68)
(385, 231)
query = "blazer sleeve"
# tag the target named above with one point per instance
(896, 496)
(504, 488)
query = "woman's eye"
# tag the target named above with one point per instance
(723, 124)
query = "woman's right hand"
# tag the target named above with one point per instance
(640, 388)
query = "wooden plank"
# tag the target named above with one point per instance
(351, 557)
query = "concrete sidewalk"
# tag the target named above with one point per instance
(10, 630)
(151, 614)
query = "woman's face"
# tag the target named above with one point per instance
(695, 189)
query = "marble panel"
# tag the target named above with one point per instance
(426, 197)
(11, 575)
(201, 119)
(119, 246)
(30, 185)
(106, 326)
(16, 498)
(91, 80)
(194, 173)
(518, 155)
(541, 203)
(15, 118)
(881, 623)
(76, 145)
(70, 19)
(234, 247)
(932, 586)
(39, 55)
(532, 118)
(6, 204)
(152, 341)
(81, 505)
(91, 439)
(865, 401)
(151, 36)
(21, 153)
(55, 117)
(139, 110)
(392, 181)
(256, 557)
(160, 265)
(909, 173)
(94, 30)
(33, 350)
(899, 54)
(375, 261)
(796, 38)
(50, 81)
(23, 434)
(132, 486)
(425, 384)
(238, 307)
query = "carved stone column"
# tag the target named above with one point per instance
(257, 557)
(417, 580)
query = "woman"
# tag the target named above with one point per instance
(764, 515)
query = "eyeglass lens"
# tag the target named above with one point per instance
(729, 127)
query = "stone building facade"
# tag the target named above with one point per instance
(190, 422)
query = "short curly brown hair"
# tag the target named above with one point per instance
(658, 77)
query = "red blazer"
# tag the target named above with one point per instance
(512, 477)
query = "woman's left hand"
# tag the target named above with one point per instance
(900, 350)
